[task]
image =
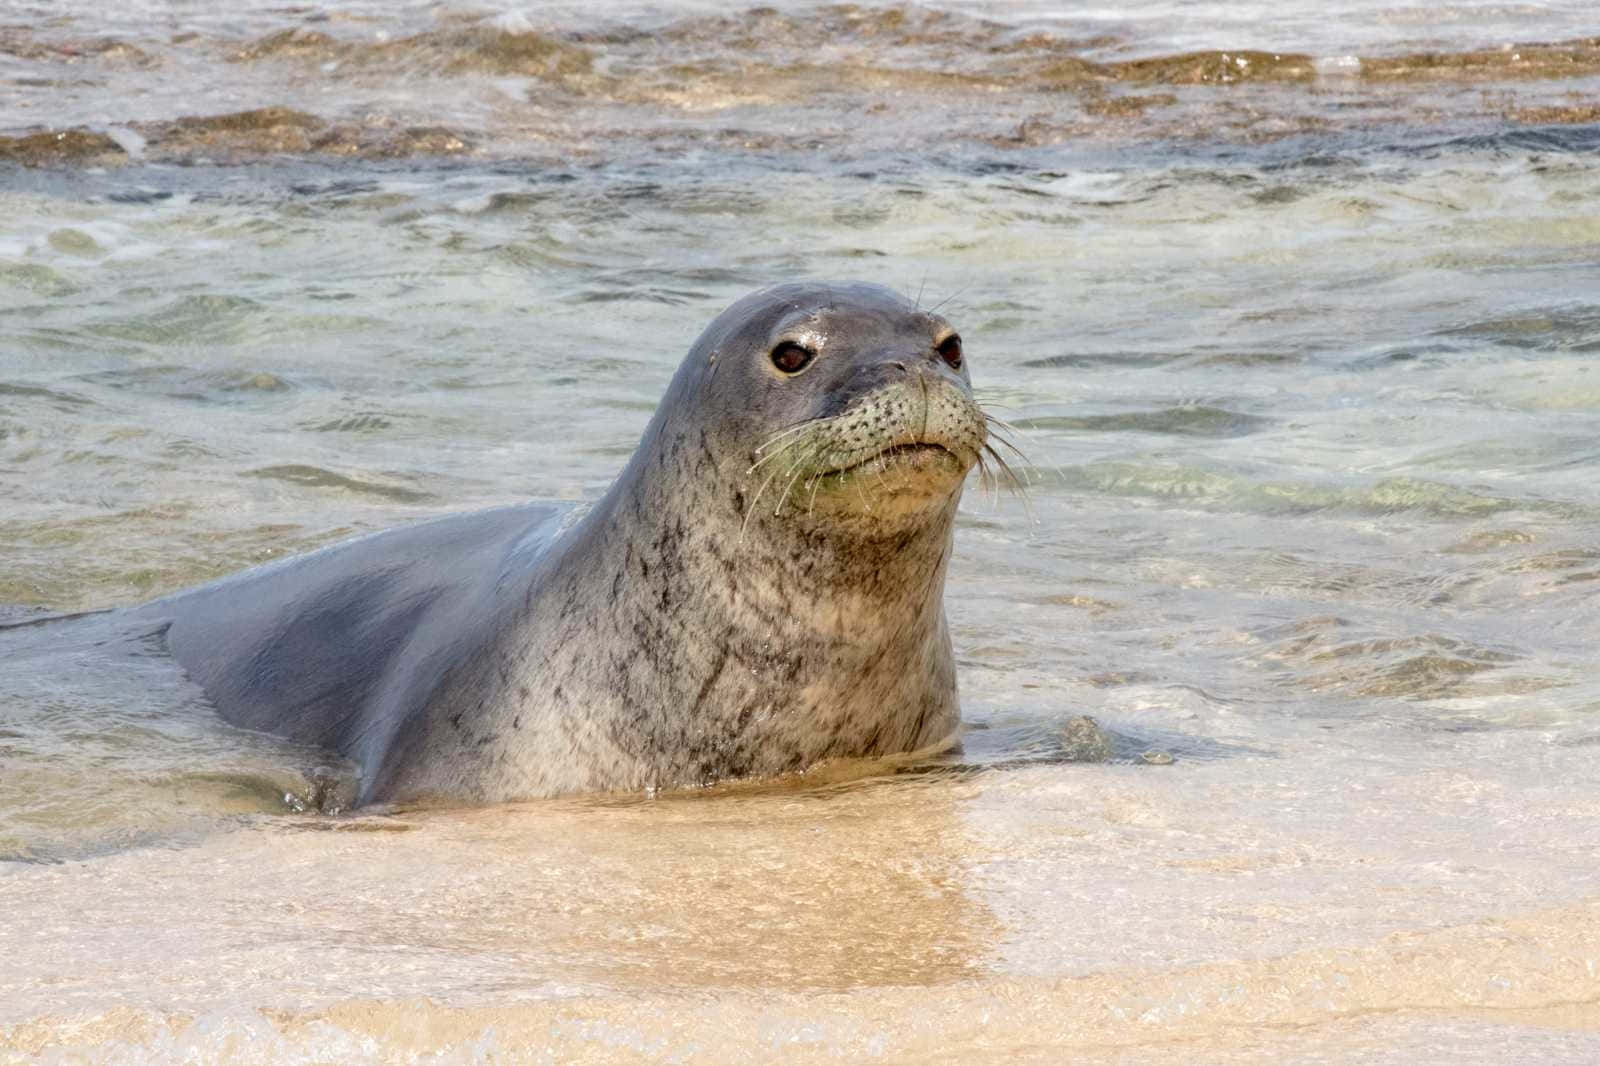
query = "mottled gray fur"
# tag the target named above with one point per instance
(738, 602)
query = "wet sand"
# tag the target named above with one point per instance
(1114, 914)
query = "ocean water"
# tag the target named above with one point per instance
(1294, 314)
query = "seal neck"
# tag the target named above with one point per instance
(674, 529)
(689, 646)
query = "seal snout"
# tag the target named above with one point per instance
(907, 418)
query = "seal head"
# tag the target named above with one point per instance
(849, 409)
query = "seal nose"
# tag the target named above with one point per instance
(917, 364)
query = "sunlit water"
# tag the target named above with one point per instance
(1302, 363)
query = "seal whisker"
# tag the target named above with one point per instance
(755, 500)
(997, 435)
(895, 461)
(877, 471)
(985, 475)
(997, 483)
(1018, 487)
(787, 431)
(995, 420)
(865, 504)
(1000, 435)
(764, 459)
(794, 433)
(995, 438)
(947, 299)
(1000, 426)
(796, 469)
(1005, 468)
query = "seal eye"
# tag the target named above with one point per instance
(950, 351)
(791, 358)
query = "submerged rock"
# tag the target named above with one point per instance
(1082, 740)
(1216, 68)
(56, 147)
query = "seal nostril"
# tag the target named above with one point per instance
(898, 365)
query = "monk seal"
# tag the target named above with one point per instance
(760, 589)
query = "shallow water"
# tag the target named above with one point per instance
(1299, 353)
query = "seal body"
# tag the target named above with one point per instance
(760, 589)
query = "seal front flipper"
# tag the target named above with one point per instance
(305, 648)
